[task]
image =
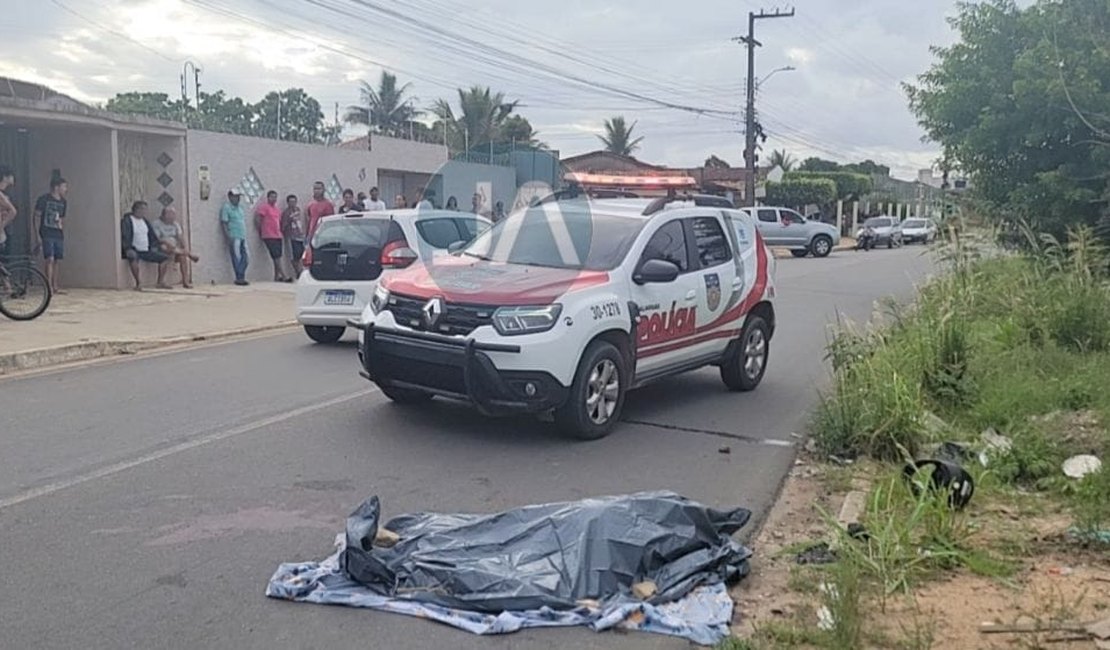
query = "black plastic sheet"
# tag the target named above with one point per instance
(554, 555)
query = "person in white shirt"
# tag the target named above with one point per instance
(423, 200)
(140, 243)
(374, 203)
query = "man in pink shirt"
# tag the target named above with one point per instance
(268, 219)
(318, 209)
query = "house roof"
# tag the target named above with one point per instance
(595, 161)
(361, 143)
(36, 103)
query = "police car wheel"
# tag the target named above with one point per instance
(405, 395)
(743, 369)
(324, 334)
(596, 397)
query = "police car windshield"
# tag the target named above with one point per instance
(559, 236)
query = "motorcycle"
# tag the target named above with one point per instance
(866, 240)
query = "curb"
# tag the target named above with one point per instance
(784, 253)
(89, 350)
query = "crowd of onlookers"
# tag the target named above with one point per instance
(283, 229)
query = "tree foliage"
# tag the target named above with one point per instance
(302, 120)
(618, 137)
(849, 185)
(783, 160)
(384, 109)
(867, 167)
(800, 192)
(1018, 104)
(714, 162)
(484, 118)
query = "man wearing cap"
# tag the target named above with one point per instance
(235, 229)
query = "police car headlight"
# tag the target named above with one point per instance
(379, 300)
(511, 321)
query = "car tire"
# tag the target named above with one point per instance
(821, 246)
(592, 411)
(801, 253)
(746, 362)
(324, 333)
(405, 395)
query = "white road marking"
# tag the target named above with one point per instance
(123, 466)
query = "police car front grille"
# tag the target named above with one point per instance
(457, 320)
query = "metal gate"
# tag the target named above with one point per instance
(13, 152)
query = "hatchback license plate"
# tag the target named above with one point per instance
(339, 297)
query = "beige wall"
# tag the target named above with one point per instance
(85, 157)
(289, 168)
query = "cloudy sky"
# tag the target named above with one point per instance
(571, 63)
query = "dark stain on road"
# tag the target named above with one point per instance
(172, 580)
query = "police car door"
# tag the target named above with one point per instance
(668, 319)
(719, 284)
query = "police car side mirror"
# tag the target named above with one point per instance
(656, 271)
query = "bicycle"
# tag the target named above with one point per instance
(24, 291)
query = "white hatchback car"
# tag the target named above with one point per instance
(565, 306)
(349, 254)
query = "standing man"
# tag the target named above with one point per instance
(50, 213)
(292, 226)
(7, 208)
(268, 220)
(172, 236)
(424, 199)
(349, 204)
(476, 203)
(361, 202)
(319, 208)
(235, 229)
(374, 203)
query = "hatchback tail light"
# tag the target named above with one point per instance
(398, 255)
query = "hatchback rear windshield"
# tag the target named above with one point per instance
(563, 237)
(914, 223)
(877, 222)
(351, 232)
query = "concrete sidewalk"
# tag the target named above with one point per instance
(90, 323)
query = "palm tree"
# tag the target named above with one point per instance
(482, 118)
(618, 137)
(384, 109)
(779, 158)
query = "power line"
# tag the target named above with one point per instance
(109, 30)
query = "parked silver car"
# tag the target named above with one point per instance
(887, 231)
(785, 228)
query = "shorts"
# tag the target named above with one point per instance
(297, 248)
(154, 257)
(53, 248)
(275, 248)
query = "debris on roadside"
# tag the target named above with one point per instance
(1099, 631)
(655, 561)
(994, 445)
(1079, 466)
(944, 477)
(819, 553)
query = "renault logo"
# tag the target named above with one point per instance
(433, 311)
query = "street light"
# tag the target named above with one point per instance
(786, 68)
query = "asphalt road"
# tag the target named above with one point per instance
(145, 502)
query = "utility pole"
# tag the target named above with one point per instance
(749, 114)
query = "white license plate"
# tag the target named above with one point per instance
(339, 297)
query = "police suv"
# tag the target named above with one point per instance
(565, 306)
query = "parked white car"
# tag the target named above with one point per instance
(349, 254)
(563, 307)
(786, 228)
(916, 229)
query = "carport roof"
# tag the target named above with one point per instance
(32, 104)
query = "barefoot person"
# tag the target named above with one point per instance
(268, 220)
(50, 214)
(140, 244)
(172, 237)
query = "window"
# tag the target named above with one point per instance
(339, 233)
(471, 227)
(768, 215)
(792, 217)
(668, 243)
(567, 238)
(440, 233)
(878, 222)
(711, 242)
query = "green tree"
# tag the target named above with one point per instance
(800, 192)
(299, 114)
(480, 120)
(713, 162)
(1006, 103)
(780, 158)
(384, 109)
(849, 186)
(618, 137)
(814, 164)
(868, 167)
(518, 130)
(157, 105)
